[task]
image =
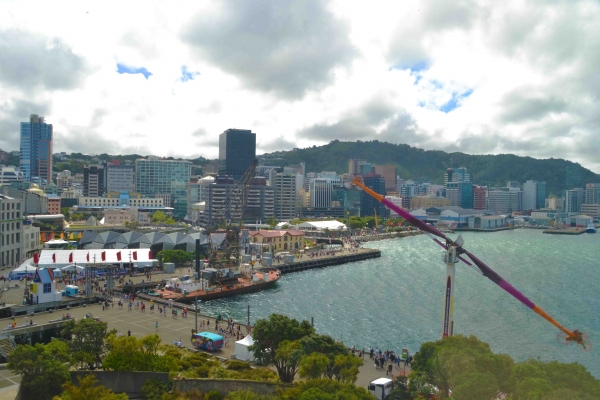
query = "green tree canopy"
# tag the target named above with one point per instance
(129, 353)
(87, 341)
(88, 388)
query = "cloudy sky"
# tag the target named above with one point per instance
(165, 78)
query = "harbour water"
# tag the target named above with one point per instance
(396, 301)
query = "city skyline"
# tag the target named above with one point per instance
(148, 78)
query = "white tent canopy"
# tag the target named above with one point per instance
(321, 226)
(23, 269)
(241, 349)
(73, 267)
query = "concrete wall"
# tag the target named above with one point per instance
(225, 386)
(122, 382)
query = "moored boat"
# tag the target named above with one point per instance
(591, 228)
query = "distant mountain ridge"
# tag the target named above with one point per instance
(415, 163)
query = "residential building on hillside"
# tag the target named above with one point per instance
(36, 150)
(155, 176)
(534, 195)
(574, 200)
(120, 178)
(93, 181)
(11, 218)
(286, 195)
(388, 173)
(237, 150)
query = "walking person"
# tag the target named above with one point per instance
(156, 326)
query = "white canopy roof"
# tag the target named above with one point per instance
(322, 225)
(247, 341)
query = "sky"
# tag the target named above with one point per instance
(166, 78)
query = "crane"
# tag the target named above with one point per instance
(455, 253)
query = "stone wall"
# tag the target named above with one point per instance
(225, 386)
(129, 383)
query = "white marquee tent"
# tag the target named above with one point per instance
(241, 349)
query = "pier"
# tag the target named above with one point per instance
(302, 264)
(566, 231)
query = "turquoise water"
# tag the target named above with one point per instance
(397, 300)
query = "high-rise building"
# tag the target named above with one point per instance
(368, 205)
(320, 192)
(36, 150)
(456, 175)
(534, 195)
(479, 197)
(574, 200)
(460, 194)
(155, 176)
(286, 195)
(237, 150)
(354, 166)
(11, 210)
(592, 193)
(120, 178)
(93, 181)
(388, 172)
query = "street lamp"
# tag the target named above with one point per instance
(196, 307)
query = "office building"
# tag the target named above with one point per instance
(53, 205)
(368, 205)
(534, 195)
(120, 178)
(479, 197)
(224, 206)
(11, 218)
(354, 166)
(286, 196)
(320, 192)
(36, 150)
(574, 200)
(424, 201)
(460, 194)
(237, 150)
(10, 174)
(456, 175)
(64, 180)
(388, 173)
(155, 177)
(30, 240)
(592, 193)
(504, 200)
(196, 193)
(93, 181)
(33, 199)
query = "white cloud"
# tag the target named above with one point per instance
(487, 77)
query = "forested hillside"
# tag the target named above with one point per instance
(414, 163)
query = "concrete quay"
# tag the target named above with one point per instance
(384, 236)
(302, 264)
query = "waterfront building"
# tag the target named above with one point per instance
(388, 173)
(155, 177)
(237, 150)
(593, 210)
(11, 218)
(286, 196)
(36, 150)
(368, 205)
(460, 194)
(427, 201)
(120, 178)
(280, 240)
(457, 217)
(479, 197)
(574, 200)
(505, 200)
(260, 203)
(534, 195)
(488, 222)
(93, 181)
(10, 174)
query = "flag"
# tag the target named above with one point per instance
(150, 254)
(118, 256)
(103, 256)
(135, 255)
(36, 258)
(71, 257)
(79, 235)
(62, 235)
(88, 256)
(54, 258)
(50, 235)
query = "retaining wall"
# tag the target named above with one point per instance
(129, 383)
(224, 386)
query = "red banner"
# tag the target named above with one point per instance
(103, 256)
(54, 258)
(150, 254)
(87, 257)
(118, 256)
(71, 257)
(36, 258)
(135, 255)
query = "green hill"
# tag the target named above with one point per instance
(419, 164)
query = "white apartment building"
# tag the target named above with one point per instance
(286, 196)
(10, 230)
(505, 200)
(320, 191)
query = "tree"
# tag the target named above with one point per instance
(327, 346)
(87, 341)
(269, 333)
(88, 388)
(287, 359)
(129, 353)
(272, 222)
(159, 217)
(43, 368)
(346, 368)
(314, 366)
(325, 389)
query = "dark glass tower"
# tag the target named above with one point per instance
(36, 151)
(368, 205)
(237, 150)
